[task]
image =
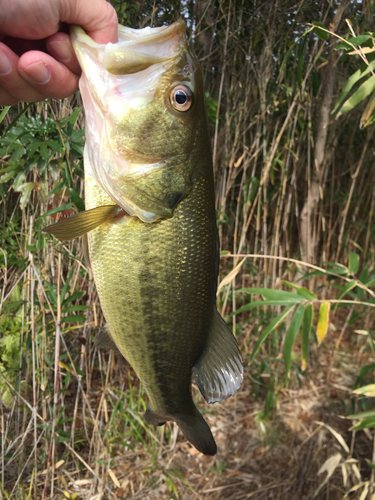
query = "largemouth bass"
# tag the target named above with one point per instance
(151, 224)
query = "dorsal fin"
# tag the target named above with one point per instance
(83, 222)
(219, 371)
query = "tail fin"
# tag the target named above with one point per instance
(197, 431)
(194, 427)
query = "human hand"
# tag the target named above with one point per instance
(37, 59)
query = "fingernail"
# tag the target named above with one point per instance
(61, 49)
(5, 64)
(38, 72)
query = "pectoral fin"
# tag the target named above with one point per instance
(83, 222)
(219, 371)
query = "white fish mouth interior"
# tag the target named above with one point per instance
(162, 43)
(109, 96)
(151, 40)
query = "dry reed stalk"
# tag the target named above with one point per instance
(214, 154)
(349, 199)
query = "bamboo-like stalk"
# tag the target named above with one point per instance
(349, 199)
(51, 454)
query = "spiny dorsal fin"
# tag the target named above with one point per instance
(105, 340)
(219, 371)
(83, 222)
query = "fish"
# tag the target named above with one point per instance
(150, 221)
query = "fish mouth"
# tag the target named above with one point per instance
(136, 50)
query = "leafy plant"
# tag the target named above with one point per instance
(299, 307)
(45, 146)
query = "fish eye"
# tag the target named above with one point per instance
(181, 98)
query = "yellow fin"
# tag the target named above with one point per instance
(83, 222)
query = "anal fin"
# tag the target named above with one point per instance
(193, 426)
(219, 371)
(83, 222)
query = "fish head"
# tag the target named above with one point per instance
(144, 105)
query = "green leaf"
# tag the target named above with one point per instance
(4, 112)
(359, 95)
(270, 294)
(366, 423)
(12, 308)
(366, 390)
(51, 293)
(357, 40)
(321, 329)
(351, 82)
(44, 153)
(306, 330)
(53, 168)
(19, 180)
(291, 336)
(77, 200)
(75, 308)
(73, 319)
(73, 117)
(363, 414)
(26, 190)
(349, 286)
(321, 33)
(62, 439)
(74, 296)
(302, 291)
(19, 151)
(269, 328)
(6, 177)
(58, 186)
(33, 147)
(257, 303)
(370, 283)
(65, 288)
(15, 120)
(12, 168)
(353, 260)
(41, 164)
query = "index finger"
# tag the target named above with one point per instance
(97, 17)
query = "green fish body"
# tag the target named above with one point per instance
(155, 264)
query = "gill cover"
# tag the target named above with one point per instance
(138, 146)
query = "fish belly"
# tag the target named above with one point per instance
(156, 284)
